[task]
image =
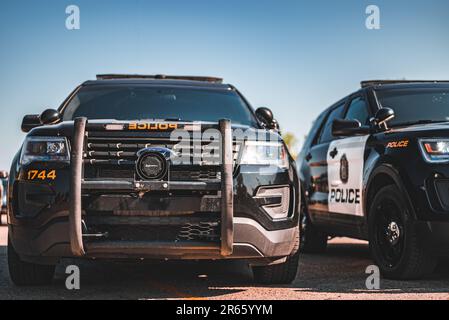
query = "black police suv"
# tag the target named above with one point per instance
(157, 167)
(375, 166)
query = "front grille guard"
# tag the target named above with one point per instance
(77, 184)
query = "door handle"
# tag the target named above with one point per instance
(333, 153)
(308, 157)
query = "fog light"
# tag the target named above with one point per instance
(277, 199)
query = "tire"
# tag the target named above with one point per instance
(282, 273)
(27, 274)
(312, 240)
(394, 243)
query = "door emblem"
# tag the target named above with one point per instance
(344, 169)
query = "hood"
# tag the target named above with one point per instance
(431, 128)
(145, 128)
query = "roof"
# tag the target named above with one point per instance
(401, 84)
(159, 80)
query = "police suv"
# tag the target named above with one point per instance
(375, 167)
(153, 167)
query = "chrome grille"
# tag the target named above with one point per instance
(107, 157)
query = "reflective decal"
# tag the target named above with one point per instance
(345, 162)
(41, 175)
(398, 144)
(152, 126)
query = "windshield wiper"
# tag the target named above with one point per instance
(410, 123)
(172, 119)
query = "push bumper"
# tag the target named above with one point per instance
(77, 186)
(49, 232)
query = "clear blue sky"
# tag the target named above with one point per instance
(296, 57)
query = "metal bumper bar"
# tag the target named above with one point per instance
(227, 193)
(77, 184)
(75, 209)
(146, 186)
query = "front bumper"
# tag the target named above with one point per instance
(59, 230)
(251, 241)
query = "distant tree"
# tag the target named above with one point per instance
(291, 141)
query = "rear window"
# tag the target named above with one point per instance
(143, 102)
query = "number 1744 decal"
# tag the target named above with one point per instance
(41, 175)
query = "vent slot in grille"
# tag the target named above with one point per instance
(195, 174)
(202, 232)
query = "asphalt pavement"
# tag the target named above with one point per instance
(337, 274)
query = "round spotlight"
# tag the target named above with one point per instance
(151, 166)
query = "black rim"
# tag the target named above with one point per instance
(389, 232)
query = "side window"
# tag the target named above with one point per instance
(313, 134)
(358, 111)
(326, 133)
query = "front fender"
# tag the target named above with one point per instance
(385, 171)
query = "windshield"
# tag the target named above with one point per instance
(416, 105)
(143, 102)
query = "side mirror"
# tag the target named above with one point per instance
(382, 116)
(266, 116)
(275, 125)
(348, 128)
(50, 116)
(30, 121)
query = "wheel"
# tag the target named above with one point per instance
(27, 274)
(394, 243)
(282, 273)
(312, 240)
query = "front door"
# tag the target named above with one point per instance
(317, 162)
(345, 162)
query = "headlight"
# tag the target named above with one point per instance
(44, 149)
(265, 153)
(435, 150)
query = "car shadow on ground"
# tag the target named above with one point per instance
(103, 279)
(340, 270)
